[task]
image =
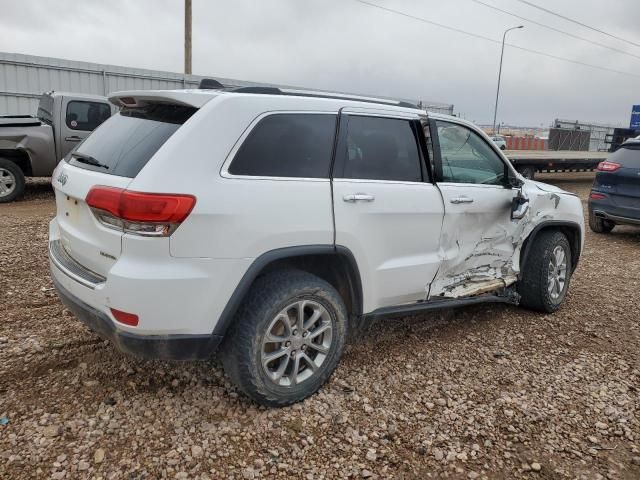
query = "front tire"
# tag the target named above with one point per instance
(12, 182)
(546, 275)
(286, 338)
(600, 225)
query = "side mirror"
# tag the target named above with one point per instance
(519, 206)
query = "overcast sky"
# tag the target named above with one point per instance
(347, 46)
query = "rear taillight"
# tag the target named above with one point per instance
(608, 166)
(148, 214)
(597, 196)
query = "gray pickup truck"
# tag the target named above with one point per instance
(32, 146)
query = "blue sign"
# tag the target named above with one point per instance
(635, 117)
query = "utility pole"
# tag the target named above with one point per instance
(187, 37)
(495, 110)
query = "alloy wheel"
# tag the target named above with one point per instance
(557, 276)
(7, 182)
(296, 343)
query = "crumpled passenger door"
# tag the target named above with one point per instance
(477, 240)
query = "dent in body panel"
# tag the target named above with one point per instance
(492, 262)
(36, 141)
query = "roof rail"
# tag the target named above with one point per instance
(211, 84)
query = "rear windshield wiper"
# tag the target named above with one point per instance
(89, 160)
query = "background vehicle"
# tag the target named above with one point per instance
(31, 146)
(292, 216)
(529, 162)
(615, 195)
(500, 142)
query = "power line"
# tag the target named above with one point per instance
(577, 22)
(556, 29)
(488, 39)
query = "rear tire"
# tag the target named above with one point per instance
(546, 275)
(600, 225)
(12, 182)
(273, 352)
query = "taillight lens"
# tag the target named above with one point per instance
(149, 214)
(608, 166)
(597, 196)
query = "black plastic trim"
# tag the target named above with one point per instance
(616, 218)
(439, 304)
(552, 223)
(437, 157)
(260, 263)
(165, 347)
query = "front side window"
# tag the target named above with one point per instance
(288, 145)
(86, 115)
(467, 158)
(380, 149)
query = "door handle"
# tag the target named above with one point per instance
(462, 199)
(72, 139)
(358, 197)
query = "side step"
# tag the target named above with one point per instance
(510, 296)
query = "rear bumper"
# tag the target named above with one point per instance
(166, 347)
(607, 210)
(616, 218)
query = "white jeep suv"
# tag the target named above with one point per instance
(264, 223)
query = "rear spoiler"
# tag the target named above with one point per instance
(140, 98)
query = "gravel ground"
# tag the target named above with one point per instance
(485, 392)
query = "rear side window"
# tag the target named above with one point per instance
(86, 115)
(380, 149)
(124, 144)
(628, 155)
(287, 145)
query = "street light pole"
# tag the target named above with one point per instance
(187, 37)
(495, 110)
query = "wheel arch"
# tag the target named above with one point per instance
(20, 157)
(570, 229)
(334, 264)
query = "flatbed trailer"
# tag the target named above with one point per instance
(529, 162)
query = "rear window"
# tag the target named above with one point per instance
(124, 143)
(288, 145)
(627, 155)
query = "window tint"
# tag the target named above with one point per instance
(125, 142)
(628, 155)
(467, 158)
(287, 145)
(380, 149)
(86, 115)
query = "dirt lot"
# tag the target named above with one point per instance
(487, 392)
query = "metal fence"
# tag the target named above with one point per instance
(23, 78)
(598, 132)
